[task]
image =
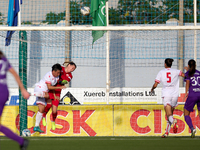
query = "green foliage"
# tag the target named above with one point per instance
(53, 18)
(26, 22)
(1, 18)
(130, 12)
(75, 15)
(154, 11)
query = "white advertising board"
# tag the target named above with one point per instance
(98, 96)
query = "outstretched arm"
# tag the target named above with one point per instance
(182, 74)
(154, 86)
(50, 87)
(25, 94)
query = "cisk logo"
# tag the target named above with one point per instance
(79, 121)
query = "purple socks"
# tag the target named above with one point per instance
(189, 122)
(11, 135)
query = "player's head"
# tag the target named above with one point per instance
(70, 66)
(56, 69)
(168, 62)
(192, 67)
(1, 54)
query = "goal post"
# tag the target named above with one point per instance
(136, 54)
(23, 77)
(109, 94)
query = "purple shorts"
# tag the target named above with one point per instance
(190, 103)
(4, 97)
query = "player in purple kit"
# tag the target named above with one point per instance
(192, 93)
(4, 93)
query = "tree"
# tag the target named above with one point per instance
(26, 22)
(138, 11)
(130, 12)
(75, 15)
(154, 11)
(1, 18)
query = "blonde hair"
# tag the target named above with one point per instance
(66, 63)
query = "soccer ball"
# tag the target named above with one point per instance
(26, 132)
(85, 10)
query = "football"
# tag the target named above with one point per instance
(85, 10)
(26, 132)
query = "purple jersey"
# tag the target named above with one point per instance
(4, 93)
(4, 67)
(194, 88)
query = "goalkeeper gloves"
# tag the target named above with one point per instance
(63, 82)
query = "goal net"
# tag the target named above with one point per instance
(135, 57)
(109, 94)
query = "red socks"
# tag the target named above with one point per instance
(48, 106)
(54, 116)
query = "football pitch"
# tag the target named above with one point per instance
(104, 143)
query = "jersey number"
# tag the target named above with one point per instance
(169, 77)
(195, 81)
(2, 67)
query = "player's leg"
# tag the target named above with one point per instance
(169, 114)
(55, 104)
(46, 110)
(174, 104)
(189, 105)
(188, 120)
(40, 101)
(166, 130)
(6, 131)
(168, 111)
(48, 106)
(41, 106)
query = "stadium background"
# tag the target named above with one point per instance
(135, 56)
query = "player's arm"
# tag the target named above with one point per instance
(182, 74)
(56, 97)
(50, 87)
(154, 86)
(186, 90)
(157, 81)
(186, 68)
(25, 94)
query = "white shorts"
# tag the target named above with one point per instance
(40, 100)
(172, 101)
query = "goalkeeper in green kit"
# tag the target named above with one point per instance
(54, 95)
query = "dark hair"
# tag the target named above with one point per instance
(1, 54)
(56, 67)
(168, 62)
(192, 65)
(69, 63)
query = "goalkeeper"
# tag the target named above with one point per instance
(65, 78)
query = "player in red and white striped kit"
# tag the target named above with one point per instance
(65, 77)
(170, 92)
(41, 92)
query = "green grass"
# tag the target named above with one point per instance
(104, 143)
